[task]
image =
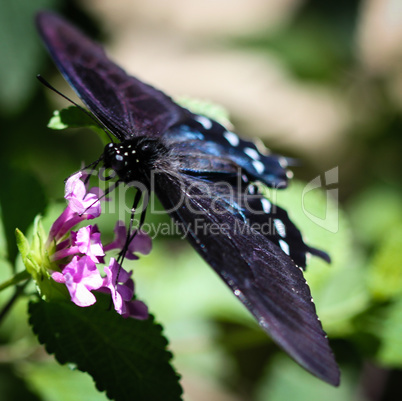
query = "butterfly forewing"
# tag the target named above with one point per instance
(126, 106)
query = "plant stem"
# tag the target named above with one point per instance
(18, 291)
(18, 278)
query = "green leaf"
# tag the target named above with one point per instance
(75, 117)
(21, 199)
(22, 243)
(127, 358)
(12, 386)
(390, 352)
(285, 380)
(54, 382)
(385, 273)
(70, 117)
(3, 240)
(165, 278)
(21, 52)
(339, 289)
(383, 205)
(206, 108)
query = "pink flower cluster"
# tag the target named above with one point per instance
(78, 253)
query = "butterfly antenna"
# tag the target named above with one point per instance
(49, 86)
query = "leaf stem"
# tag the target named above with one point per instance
(18, 291)
(18, 278)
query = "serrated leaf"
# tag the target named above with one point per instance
(127, 358)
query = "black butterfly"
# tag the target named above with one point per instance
(204, 175)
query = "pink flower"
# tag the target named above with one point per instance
(141, 243)
(79, 200)
(87, 240)
(118, 281)
(80, 277)
(76, 254)
(82, 205)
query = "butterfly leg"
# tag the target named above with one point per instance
(140, 194)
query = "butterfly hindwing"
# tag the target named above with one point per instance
(247, 203)
(209, 137)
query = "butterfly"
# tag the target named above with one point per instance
(207, 178)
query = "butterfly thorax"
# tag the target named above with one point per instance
(134, 159)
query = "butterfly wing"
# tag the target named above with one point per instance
(252, 264)
(246, 202)
(126, 106)
(258, 272)
(204, 135)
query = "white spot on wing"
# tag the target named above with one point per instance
(251, 189)
(283, 162)
(266, 205)
(284, 246)
(204, 121)
(280, 227)
(259, 167)
(232, 138)
(252, 153)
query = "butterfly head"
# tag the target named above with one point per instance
(133, 159)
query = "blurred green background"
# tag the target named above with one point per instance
(318, 81)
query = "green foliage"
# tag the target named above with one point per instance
(217, 344)
(284, 380)
(339, 289)
(206, 108)
(385, 274)
(21, 199)
(127, 358)
(21, 52)
(75, 117)
(60, 382)
(390, 332)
